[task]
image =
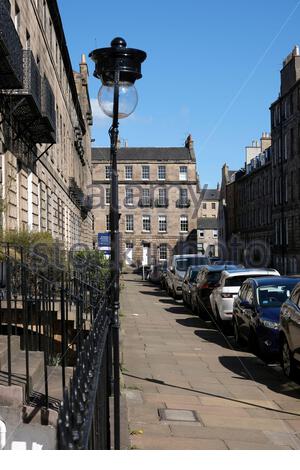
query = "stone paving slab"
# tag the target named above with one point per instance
(175, 361)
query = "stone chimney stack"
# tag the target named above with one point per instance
(189, 143)
(265, 141)
(84, 71)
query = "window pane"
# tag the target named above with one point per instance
(183, 173)
(128, 172)
(162, 223)
(146, 223)
(163, 252)
(145, 172)
(184, 225)
(161, 172)
(129, 223)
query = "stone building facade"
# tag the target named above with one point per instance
(208, 227)
(261, 205)
(249, 201)
(45, 150)
(285, 128)
(159, 199)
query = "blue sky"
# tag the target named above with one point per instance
(213, 69)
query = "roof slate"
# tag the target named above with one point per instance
(208, 223)
(143, 153)
(210, 194)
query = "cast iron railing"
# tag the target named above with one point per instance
(180, 203)
(60, 307)
(11, 67)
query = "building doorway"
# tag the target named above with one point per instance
(129, 254)
(146, 254)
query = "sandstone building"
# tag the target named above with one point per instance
(260, 205)
(208, 226)
(159, 199)
(45, 154)
(285, 128)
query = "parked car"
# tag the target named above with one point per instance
(177, 270)
(155, 272)
(207, 279)
(289, 334)
(221, 262)
(188, 281)
(256, 312)
(222, 297)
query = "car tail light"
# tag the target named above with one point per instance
(226, 295)
(205, 286)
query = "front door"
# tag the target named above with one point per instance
(146, 253)
(129, 254)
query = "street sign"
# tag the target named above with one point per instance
(104, 240)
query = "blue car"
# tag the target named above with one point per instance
(290, 335)
(256, 312)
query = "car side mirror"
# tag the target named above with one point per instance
(246, 304)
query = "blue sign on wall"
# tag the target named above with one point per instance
(104, 239)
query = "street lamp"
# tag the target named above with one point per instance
(118, 67)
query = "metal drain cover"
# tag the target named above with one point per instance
(167, 414)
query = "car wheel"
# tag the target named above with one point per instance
(236, 333)
(174, 295)
(287, 361)
(253, 343)
(193, 307)
(218, 318)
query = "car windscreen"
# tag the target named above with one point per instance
(237, 281)
(273, 296)
(193, 275)
(213, 277)
(182, 264)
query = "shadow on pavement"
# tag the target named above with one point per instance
(212, 335)
(169, 300)
(253, 368)
(235, 400)
(156, 293)
(195, 322)
(179, 309)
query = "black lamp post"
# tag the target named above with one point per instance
(118, 67)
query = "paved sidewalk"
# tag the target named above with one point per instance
(186, 387)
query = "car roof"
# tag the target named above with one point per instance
(189, 256)
(216, 268)
(240, 272)
(274, 280)
(196, 267)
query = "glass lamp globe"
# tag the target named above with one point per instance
(128, 99)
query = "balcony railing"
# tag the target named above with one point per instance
(83, 202)
(43, 130)
(146, 202)
(86, 206)
(75, 192)
(78, 144)
(180, 203)
(11, 69)
(26, 102)
(161, 202)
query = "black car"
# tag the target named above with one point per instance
(207, 280)
(256, 312)
(188, 282)
(289, 334)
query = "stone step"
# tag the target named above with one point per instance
(55, 390)
(18, 368)
(15, 348)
